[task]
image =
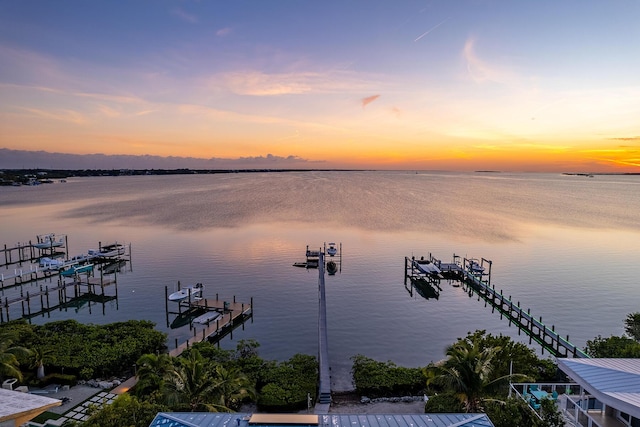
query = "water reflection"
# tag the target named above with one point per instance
(563, 246)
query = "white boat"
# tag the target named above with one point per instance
(195, 292)
(49, 241)
(47, 263)
(332, 250)
(427, 267)
(111, 252)
(208, 317)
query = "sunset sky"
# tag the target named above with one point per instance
(455, 85)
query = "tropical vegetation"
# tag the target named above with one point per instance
(207, 378)
(618, 346)
(10, 355)
(71, 350)
(374, 379)
(475, 377)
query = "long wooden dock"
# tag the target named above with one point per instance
(476, 277)
(324, 388)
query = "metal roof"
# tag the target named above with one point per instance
(208, 419)
(614, 382)
(15, 405)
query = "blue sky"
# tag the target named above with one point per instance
(412, 84)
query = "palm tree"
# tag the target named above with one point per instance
(151, 370)
(192, 385)
(40, 356)
(233, 387)
(9, 354)
(467, 372)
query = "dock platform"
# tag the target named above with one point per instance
(232, 315)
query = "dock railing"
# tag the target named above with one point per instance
(475, 276)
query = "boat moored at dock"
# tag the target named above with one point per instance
(48, 241)
(77, 269)
(332, 250)
(208, 317)
(194, 291)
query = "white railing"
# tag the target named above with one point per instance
(578, 416)
(571, 401)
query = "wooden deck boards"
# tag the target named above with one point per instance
(235, 312)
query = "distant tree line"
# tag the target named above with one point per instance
(23, 176)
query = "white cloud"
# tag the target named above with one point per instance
(257, 83)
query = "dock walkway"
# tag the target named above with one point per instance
(324, 390)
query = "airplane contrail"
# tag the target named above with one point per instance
(429, 30)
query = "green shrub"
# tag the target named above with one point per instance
(286, 386)
(443, 403)
(383, 379)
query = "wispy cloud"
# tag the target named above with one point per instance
(223, 32)
(187, 17)
(630, 138)
(257, 83)
(480, 70)
(120, 99)
(369, 99)
(68, 116)
(108, 111)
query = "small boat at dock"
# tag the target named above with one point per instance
(332, 268)
(332, 250)
(111, 251)
(193, 291)
(47, 263)
(427, 267)
(77, 269)
(208, 317)
(48, 241)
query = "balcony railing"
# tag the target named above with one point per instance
(572, 400)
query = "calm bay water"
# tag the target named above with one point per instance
(565, 246)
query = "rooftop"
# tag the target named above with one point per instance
(614, 382)
(22, 407)
(208, 419)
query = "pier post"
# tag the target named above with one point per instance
(166, 302)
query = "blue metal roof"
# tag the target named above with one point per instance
(615, 382)
(210, 419)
